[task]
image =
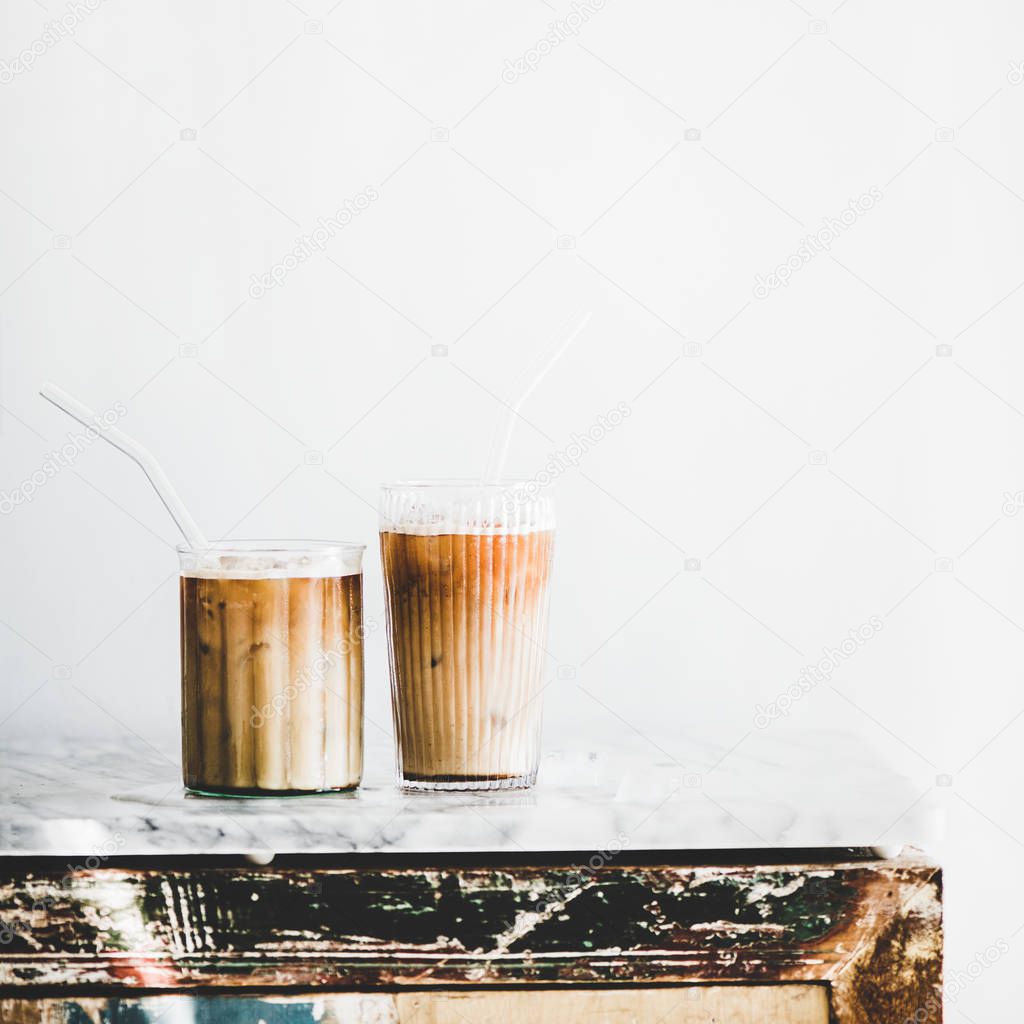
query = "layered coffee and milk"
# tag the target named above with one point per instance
(466, 575)
(272, 668)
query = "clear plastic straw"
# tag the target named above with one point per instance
(120, 440)
(506, 424)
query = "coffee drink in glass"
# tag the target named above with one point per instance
(272, 667)
(467, 572)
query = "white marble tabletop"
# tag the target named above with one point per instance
(90, 798)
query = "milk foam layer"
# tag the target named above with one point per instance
(429, 510)
(271, 564)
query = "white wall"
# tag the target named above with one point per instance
(820, 451)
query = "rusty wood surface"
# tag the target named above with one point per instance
(360, 927)
(699, 1004)
(896, 973)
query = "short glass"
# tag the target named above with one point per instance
(272, 667)
(467, 571)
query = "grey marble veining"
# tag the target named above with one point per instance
(91, 798)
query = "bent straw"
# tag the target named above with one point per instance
(506, 423)
(77, 410)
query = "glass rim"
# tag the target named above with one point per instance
(273, 547)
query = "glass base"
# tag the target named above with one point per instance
(249, 794)
(464, 783)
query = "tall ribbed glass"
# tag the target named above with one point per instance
(467, 569)
(272, 667)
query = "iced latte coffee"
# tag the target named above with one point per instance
(272, 667)
(466, 576)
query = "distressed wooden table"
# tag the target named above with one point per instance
(141, 918)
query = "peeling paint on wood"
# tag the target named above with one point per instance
(896, 974)
(852, 925)
(794, 1004)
